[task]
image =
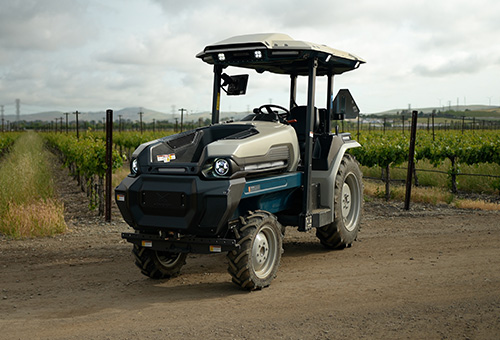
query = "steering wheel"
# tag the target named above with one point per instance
(281, 116)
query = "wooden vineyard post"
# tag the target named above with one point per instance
(109, 163)
(411, 158)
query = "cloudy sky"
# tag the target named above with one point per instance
(91, 55)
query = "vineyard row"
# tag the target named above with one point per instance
(391, 149)
(86, 157)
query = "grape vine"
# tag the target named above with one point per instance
(391, 149)
(86, 160)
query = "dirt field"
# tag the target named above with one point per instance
(431, 273)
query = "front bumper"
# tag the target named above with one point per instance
(184, 204)
(199, 245)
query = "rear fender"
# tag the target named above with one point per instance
(326, 179)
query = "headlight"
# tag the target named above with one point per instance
(218, 168)
(221, 167)
(134, 166)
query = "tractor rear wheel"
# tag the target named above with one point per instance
(158, 264)
(255, 263)
(348, 205)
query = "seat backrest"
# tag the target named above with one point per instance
(299, 113)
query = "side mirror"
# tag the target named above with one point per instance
(236, 85)
(344, 106)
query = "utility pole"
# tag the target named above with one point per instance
(66, 114)
(140, 119)
(77, 133)
(182, 116)
(433, 135)
(120, 123)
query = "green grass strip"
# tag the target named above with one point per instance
(28, 207)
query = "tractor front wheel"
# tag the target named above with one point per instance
(255, 263)
(158, 264)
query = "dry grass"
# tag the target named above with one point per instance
(418, 194)
(430, 195)
(477, 205)
(34, 219)
(27, 204)
(120, 174)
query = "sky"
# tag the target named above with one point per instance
(91, 55)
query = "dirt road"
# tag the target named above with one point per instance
(429, 273)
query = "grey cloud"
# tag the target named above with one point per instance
(467, 64)
(174, 7)
(43, 25)
(130, 53)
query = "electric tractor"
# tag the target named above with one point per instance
(234, 186)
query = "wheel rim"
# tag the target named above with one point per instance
(264, 252)
(350, 201)
(167, 259)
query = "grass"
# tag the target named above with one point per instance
(418, 194)
(431, 195)
(120, 174)
(477, 205)
(28, 207)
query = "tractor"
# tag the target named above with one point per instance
(233, 186)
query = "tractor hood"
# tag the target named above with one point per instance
(244, 148)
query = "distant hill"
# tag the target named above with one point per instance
(478, 110)
(132, 114)
(129, 113)
(42, 116)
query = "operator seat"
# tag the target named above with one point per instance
(298, 120)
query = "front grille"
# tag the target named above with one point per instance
(167, 203)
